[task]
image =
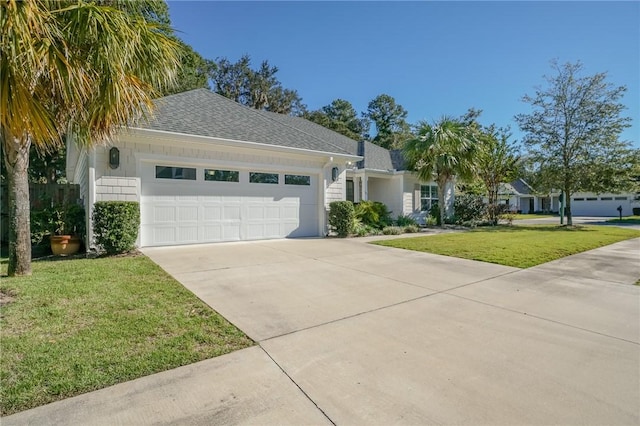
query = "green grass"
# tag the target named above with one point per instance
(628, 220)
(521, 216)
(79, 325)
(518, 246)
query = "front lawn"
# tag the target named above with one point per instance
(628, 220)
(81, 325)
(518, 246)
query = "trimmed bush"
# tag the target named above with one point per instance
(392, 230)
(341, 217)
(411, 229)
(373, 213)
(636, 211)
(115, 225)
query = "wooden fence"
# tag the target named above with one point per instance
(40, 195)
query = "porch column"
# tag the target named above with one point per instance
(356, 189)
(365, 188)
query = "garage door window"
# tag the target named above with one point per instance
(222, 175)
(255, 177)
(169, 172)
(297, 180)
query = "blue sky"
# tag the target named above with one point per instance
(434, 58)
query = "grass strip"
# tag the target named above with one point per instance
(518, 246)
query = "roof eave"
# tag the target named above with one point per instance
(206, 140)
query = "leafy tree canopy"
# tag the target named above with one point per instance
(256, 88)
(389, 119)
(572, 134)
(341, 117)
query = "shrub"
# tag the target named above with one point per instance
(373, 213)
(469, 208)
(341, 217)
(430, 221)
(406, 221)
(636, 211)
(434, 212)
(411, 229)
(59, 219)
(115, 225)
(392, 230)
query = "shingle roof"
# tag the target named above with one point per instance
(204, 113)
(521, 186)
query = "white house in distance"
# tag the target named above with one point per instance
(522, 198)
(207, 169)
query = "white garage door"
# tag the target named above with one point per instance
(186, 204)
(603, 205)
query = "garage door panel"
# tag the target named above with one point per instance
(184, 212)
(188, 213)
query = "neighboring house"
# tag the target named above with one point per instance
(523, 198)
(206, 169)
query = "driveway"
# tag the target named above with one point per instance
(352, 333)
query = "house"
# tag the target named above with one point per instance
(523, 198)
(206, 169)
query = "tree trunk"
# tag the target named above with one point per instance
(567, 207)
(442, 188)
(16, 159)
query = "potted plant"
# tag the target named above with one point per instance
(67, 226)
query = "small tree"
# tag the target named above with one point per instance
(573, 134)
(496, 162)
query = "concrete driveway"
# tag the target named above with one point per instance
(351, 333)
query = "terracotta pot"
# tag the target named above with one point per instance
(64, 245)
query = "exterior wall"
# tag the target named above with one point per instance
(410, 205)
(387, 191)
(117, 189)
(124, 184)
(334, 191)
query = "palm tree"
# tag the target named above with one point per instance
(441, 152)
(71, 68)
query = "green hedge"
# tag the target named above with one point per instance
(341, 216)
(115, 225)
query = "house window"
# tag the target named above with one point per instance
(222, 175)
(428, 196)
(255, 177)
(297, 180)
(578, 199)
(170, 172)
(606, 198)
(621, 198)
(592, 198)
(350, 192)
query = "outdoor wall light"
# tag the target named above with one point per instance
(114, 158)
(334, 174)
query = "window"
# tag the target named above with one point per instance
(222, 175)
(255, 177)
(350, 192)
(297, 180)
(170, 172)
(578, 199)
(621, 198)
(606, 198)
(428, 196)
(592, 198)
